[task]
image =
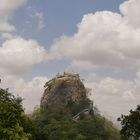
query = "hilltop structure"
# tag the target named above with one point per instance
(66, 93)
(65, 76)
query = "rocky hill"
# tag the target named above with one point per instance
(66, 93)
(66, 113)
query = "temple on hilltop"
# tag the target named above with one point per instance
(65, 76)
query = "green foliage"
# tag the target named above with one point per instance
(74, 107)
(60, 126)
(131, 125)
(11, 115)
(35, 128)
(97, 128)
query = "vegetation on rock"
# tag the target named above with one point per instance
(54, 126)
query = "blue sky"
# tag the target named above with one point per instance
(98, 39)
(60, 18)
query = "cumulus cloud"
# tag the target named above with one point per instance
(7, 8)
(114, 96)
(4, 26)
(131, 11)
(80, 65)
(104, 39)
(31, 91)
(18, 55)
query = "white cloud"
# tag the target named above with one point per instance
(18, 55)
(80, 65)
(38, 17)
(103, 39)
(10, 5)
(4, 26)
(128, 95)
(131, 11)
(114, 96)
(7, 8)
(7, 36)
(30, 91)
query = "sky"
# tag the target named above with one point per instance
(98, 39)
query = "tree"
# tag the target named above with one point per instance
(60, 126)
(11, 115)
(130, 125)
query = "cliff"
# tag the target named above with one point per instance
(65, 93)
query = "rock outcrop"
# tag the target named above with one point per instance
(65, 93)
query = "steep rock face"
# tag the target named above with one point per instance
(65, 93)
